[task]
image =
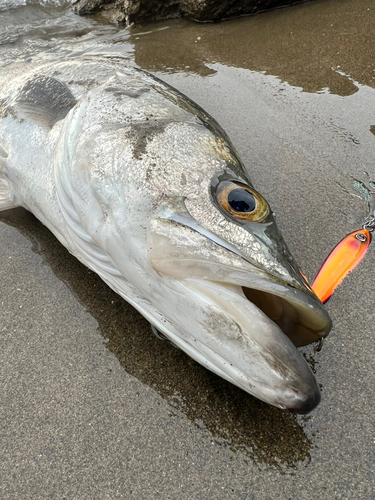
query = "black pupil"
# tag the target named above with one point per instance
(241, 200)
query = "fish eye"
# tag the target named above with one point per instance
(242, 201)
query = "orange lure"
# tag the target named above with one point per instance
(343, 259)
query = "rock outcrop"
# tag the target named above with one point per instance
(133, 11)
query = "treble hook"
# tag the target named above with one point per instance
(369, 223)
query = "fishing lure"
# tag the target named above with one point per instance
(342, 260)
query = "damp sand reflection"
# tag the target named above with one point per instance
(316, 46)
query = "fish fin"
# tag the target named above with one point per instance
(43, 100)
(5, 198)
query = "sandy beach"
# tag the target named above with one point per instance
(93, 405)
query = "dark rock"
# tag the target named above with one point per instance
(133, 11)
(214, 10)
(88, 6)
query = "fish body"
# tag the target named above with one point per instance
(146, 189)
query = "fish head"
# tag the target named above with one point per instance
(239, 299)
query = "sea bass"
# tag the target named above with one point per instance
(146, 189)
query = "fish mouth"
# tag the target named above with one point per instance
(298, 313)
(300, 317)
(260, 355)
(245, 328)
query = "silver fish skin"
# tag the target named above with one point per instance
(126, 171)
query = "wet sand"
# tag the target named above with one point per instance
(93, 405)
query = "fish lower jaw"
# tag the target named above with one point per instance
(226, 370)
(211, 360)
(229, 362)
(237, 341)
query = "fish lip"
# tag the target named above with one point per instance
(304, 407)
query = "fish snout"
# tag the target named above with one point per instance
(308, 405)
(299, 394)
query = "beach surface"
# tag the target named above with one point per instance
(93, 405)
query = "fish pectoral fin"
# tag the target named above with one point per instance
(43, 100)
(5, 197)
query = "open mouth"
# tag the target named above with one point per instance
(297, 312)
(301, 322)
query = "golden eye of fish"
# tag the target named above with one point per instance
(242, 202)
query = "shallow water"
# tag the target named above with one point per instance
(95, 418)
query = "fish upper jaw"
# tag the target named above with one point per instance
(269, 255)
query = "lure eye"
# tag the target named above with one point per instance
(242, 202)
(361, 237)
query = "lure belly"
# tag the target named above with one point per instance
(340, 262)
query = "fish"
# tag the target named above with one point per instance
(342, 260)
(146, 189)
